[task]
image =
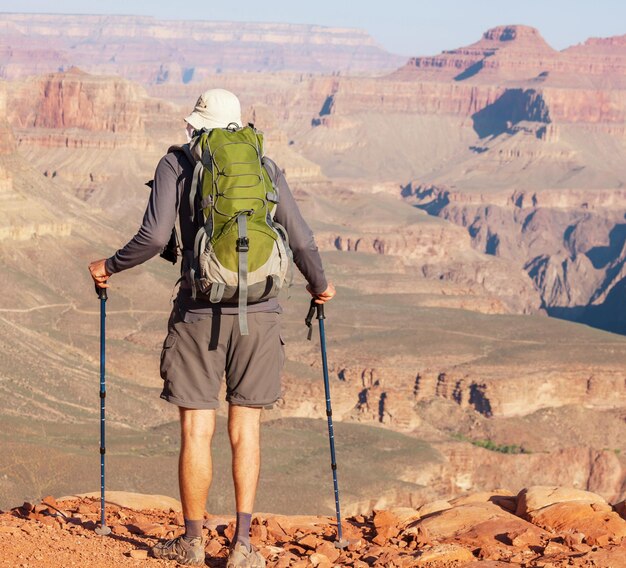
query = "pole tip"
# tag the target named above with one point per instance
(341, 544)
(103, 530)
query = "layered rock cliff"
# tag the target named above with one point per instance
(80, 110)
(519, 53)
(155, 51)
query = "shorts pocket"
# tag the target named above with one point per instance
(167, 352)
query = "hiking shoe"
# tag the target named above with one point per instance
(241, 557)
(188, 551)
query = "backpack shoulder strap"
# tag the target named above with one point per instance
(184, 148)
(272, 171)
(197, 174)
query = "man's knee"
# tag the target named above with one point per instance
(243, 423)
(197, 424)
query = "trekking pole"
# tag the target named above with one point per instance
(319, 308)
(102, 294)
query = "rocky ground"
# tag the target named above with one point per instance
(541, 526)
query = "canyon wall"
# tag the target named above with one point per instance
(519, 53)
(179, 52)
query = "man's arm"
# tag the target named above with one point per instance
(301, 241)
(155, 230)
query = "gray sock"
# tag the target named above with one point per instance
(193, 529)
(242, 531)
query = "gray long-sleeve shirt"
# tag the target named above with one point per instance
(170, 194)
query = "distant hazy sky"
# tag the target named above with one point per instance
(407, 27)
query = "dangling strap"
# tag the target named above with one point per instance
(217, 292)
(175, 290)
(192, 277)
(283, 233)
(243, 246)
(195, 180)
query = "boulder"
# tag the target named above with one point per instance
(539, 496)
(596, 521)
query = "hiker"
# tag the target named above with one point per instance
(206, 339)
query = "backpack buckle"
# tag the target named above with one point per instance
(243, 244)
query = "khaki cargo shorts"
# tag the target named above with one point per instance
(196, 355)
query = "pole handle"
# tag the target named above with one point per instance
(320, 310)
(101, 292)
(314, 308)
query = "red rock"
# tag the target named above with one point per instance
(603, 524)
(444, 553)
(574, 537)
(48, 521)
(525, 538)
(554, 549)
(283, 562)
(354, 544)
(213, 548)
(465, 519)
(388, 559)
(147, 528)
(386, 526)
(275, 530)
(539, 496)
(344, 558)
(295, 549)
(120, 530)
(489, 552)
(215, 523)
(420, 536)
(320, 561)
(140, 553)
(601, 540)
(258, 533)
(433, 507)
(380, 540)
(49, 501)
(309, 541)
(229, 531)
(329, 550)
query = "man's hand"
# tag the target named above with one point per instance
(324, 296)
(99, 272)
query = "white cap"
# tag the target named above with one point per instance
(216, 108)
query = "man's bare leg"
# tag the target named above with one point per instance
(195, 470)
(194, 479)
(244, 426)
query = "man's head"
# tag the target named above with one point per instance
(216, 108)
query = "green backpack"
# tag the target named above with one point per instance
(240, 254)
